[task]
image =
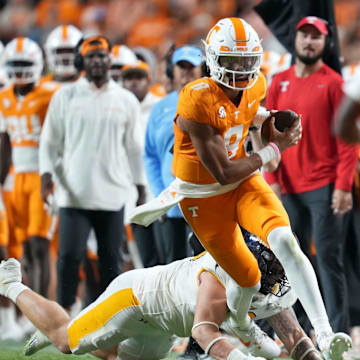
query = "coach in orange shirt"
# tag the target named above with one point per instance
(213, 118)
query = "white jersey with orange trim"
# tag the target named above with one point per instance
(168, 294)
(144, 307)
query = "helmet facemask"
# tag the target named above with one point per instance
(22, 72)
(233, 53)
(235, 70)
(61, 61)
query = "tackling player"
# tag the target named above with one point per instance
(142, 309)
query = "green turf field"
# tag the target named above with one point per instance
(11, 350)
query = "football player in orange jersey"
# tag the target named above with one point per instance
(23, 106)
(225, 189)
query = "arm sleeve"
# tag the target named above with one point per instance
(347, 154)
(134, 144)
(151, 156)
(52, 136)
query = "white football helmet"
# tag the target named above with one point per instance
(120, 56)
(23, 61)
(233, 53)
(60, 49)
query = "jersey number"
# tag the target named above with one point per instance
(24, 128)
(232, 140)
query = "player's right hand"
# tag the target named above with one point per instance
(289, 137)
(47, 187)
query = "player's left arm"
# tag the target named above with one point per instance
(210, 312)
(255, 136)
(296, 342)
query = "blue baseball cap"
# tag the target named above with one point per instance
(188, 53)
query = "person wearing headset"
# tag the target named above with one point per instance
(315, 176)
(91, 143)
(184, 65)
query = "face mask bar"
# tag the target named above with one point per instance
(244, 64)
(22, 72)
(62, 63)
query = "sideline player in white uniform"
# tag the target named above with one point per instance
(139, 313)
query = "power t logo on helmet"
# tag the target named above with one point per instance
(233, 53)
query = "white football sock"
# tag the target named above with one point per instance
(238, 300)
(14, 290)
(301, 276)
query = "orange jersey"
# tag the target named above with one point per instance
(46, 78)
(22, 119)
(204, 101)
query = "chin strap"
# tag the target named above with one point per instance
(302, 348)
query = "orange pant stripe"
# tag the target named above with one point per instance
(98, 316)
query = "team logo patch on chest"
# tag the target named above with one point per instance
(284, 85)
(222, 112)
(194, 211)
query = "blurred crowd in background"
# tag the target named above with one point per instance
(156, 24)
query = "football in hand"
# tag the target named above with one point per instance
(283, 121)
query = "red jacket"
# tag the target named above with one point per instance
(319, 158)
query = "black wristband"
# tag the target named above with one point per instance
(254, 127)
